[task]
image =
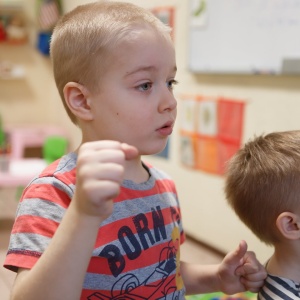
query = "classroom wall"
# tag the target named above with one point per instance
(272, 104)
(33, 98)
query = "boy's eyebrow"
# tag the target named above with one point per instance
(145, 68)
(140, 69)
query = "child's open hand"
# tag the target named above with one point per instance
(241, 271)
(99, 173)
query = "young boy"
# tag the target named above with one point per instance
(262, 186)
(99, 223)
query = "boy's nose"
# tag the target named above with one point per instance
(167, 102)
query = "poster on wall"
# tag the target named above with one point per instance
(188, 113)
(210, 132)
(166, 14)
(187, 151)
(207, 117)
(165, 152)
(198, 13)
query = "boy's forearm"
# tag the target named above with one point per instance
(200, 278)
(60, 271)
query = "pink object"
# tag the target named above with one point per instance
(23, 137)
(21, 171)
(15, 170)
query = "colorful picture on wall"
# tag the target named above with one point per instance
(166, 14)
(187, 151)
(164, 153)
(188, 115)
(207, 117)
(198, 13)
(211, 132)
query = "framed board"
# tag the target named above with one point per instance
(244, 36)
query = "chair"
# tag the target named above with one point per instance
(54, 147)
(32, 136)
(21, 171)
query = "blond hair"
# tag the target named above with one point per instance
(263, 180)
(84, 38)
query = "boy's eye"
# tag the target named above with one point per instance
(145, 86)
(171, 83)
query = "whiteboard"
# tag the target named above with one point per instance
(245, 36)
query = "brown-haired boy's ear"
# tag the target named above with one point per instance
(289, 225)
(77, 98)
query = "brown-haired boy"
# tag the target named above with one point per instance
(263, 188)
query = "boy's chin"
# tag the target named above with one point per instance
(154, 150)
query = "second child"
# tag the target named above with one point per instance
(263, 188)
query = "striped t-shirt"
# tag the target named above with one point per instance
(276, 288)
(136, 255)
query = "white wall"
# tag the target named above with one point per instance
(272, 104)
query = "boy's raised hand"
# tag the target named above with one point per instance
(241, 271)
(99, 174)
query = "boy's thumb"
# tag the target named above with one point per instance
(235, 258)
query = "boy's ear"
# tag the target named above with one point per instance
(77, 98)
(289, 225)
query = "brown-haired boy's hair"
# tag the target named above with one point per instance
(263, 180)
(84, 39)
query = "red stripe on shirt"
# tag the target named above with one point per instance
(36, 224)
(108, 233)
(21, 259)
(165, 184)
(47, 193)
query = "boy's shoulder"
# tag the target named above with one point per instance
(156, 172)
(279, 288)
(161, 177)
(63, 169)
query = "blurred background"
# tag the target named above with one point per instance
(236, 79)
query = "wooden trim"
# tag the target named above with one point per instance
(6, 224)
(206, 246)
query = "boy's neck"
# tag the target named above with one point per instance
(135, 171)
(285, 261)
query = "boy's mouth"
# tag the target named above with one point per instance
(166, 129)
